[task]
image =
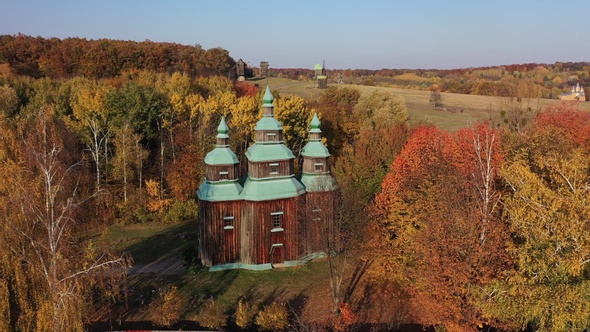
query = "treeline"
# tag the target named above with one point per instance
(529, 80)
(56, 58)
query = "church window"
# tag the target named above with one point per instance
(319, 167)
(223, 176)
(277, 221)
(274, 168)
(271, 137)
(316, 214)
(228, 222)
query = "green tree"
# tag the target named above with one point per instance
(435, 99)
(381, 109)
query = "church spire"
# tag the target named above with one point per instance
(221, 170)
(315, 133)
(267, 103)
(222, 136)
(316, 162)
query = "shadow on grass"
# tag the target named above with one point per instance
(168, 244)
(160, 262)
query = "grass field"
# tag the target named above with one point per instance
(461, 110)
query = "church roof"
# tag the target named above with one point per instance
(222, 129)
(318, 182)
(219, 191)
(315, 124)
(267, 152)
(268, 123)
(268, 98)
(222, 154)
(315, 149)
(271, 188)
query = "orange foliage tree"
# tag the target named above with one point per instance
(439, 233)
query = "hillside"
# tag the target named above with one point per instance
(459, 110)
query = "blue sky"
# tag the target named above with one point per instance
(346, 34)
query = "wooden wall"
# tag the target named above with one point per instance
(309, 165)
(262, 136)
(319, 223)
(262, 169)
(307, 223)
(212, 172)
(257, 238)
(216, 244)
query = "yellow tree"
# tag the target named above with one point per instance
(381, 109)
(57, 268)
(294, 115)
(547, 207)
(91, 121)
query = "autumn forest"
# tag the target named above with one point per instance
(482, 227)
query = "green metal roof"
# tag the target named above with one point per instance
(221, 155)
(268, 152)
(220, 191)
(315, 124)
(268, 98)
(268, 123)
(317, 67)
(315, 149)
(222, 129)
(272, 188)
(318, 182)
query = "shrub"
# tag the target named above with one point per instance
(244, 314)
(181, 211)
(273, 317)
(167, 307)
(345, 319)
(212, 316)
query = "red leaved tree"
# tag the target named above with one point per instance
(440, 235)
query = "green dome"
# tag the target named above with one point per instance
(222, 129)
(315, 124)
(318, 182)
(268, 123)
(269, 189)
(268, 98)
(221, 156)
(315, 149)
(220, 191)
(268, 152)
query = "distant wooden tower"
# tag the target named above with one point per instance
(268, 217)
(320, 75)
(241, 70)
(264, 68)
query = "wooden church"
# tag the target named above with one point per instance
(269, 216)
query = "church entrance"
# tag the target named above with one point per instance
(277, 254)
